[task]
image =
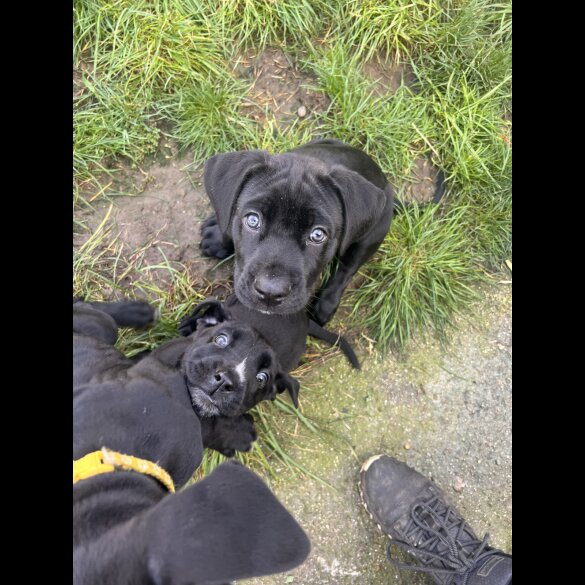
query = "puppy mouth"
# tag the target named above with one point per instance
(203, 404)
(287, 306)
(208, 402)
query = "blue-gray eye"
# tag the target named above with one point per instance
(262, 378)
(221, 340)
(253, 221)
(318, 235)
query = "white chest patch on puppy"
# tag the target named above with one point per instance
(241, 370)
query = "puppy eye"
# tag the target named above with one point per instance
(252, 220)
(262, 378)
(318, 235)
(221, 340)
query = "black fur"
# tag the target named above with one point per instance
(324, 184)
(286, 334)
(126, 529)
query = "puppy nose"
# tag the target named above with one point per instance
(272, 289)
(222, 382)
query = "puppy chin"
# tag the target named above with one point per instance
(203, 405)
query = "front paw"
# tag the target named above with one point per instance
(229, 434)
(213, 244)
(324, 308)
(136, 314)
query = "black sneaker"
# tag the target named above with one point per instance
(415, 514)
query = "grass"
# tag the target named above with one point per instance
(109, 123)
(392, 27)
(147, 70)
(387, 126)
(426, 270)
(258, 23)
(207, 117)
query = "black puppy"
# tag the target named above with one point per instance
(286, 334)
(126, 528)
(287, 216)
(224, 367)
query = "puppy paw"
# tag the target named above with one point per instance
(323, 309)
(213, 244)
(136, 314)
(245, 433)
(229, 434)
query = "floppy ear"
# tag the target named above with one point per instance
(205, 314)
(224, 177)
(226, 527)
(284, 382)
(363, 203)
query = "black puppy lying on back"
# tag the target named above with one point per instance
(126, 528)
(224, 367)
(286, 334)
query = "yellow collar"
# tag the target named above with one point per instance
(105, 461)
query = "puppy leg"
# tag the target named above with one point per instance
(93, 323)
(328, 298)
(134, 314)
(228, 434)
(171, 353)
(213, 243)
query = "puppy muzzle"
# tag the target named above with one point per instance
(268, 294)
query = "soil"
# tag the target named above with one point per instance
(388, 74)
(280, 87)
(422, 185)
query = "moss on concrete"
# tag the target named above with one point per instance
(445, 410)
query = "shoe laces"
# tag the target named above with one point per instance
(437, 529)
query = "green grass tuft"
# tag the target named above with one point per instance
(208, 117)
(109, 123)
(147, 45)
(425, 270)
(258, 23)
(393, 27)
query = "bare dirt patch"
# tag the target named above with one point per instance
(387, 73)
(162, 222)
(280, 90)
(77, 83)
(422, 185)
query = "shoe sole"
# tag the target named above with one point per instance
(365, 466)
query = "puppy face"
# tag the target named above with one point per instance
(286, 228)
(229, 368)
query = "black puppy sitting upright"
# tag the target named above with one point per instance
(287, 216)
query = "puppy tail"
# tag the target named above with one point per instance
(315, 330)
(439, 192)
